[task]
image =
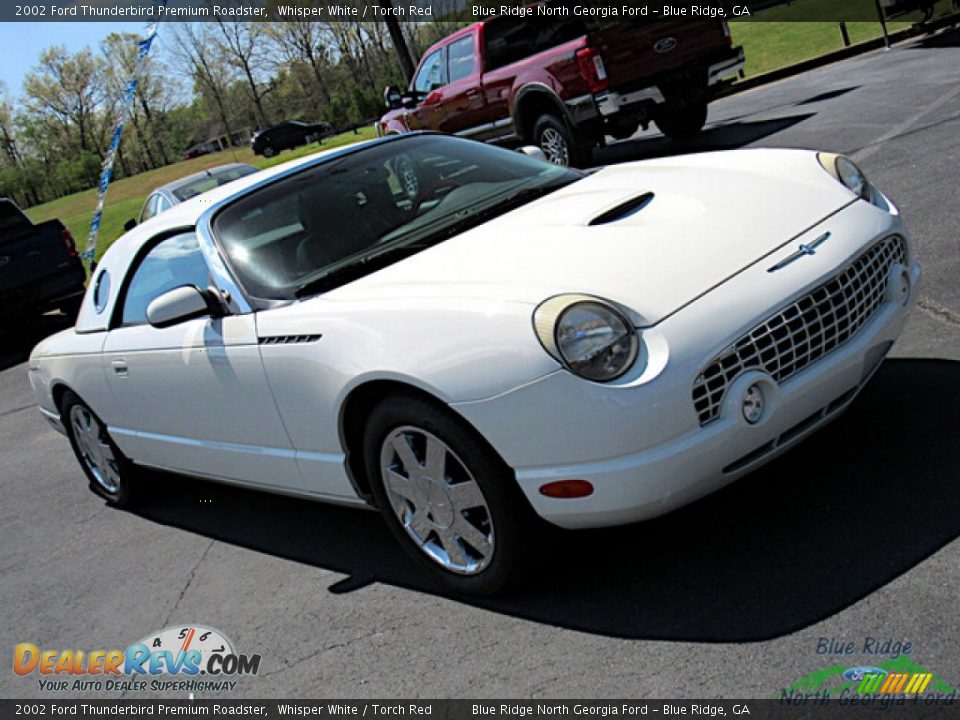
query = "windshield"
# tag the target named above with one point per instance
(403, 194)
(214, 179)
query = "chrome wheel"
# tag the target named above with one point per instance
(94, 449)
(406, 173)
(437, 500)
(554, 146)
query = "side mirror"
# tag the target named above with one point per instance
(532, 151)
(129, 225)
(393, 97)
(181, 304)
(409, 101)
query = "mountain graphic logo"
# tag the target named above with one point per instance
(901, 675)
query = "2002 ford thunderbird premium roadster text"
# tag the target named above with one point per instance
(467, 337)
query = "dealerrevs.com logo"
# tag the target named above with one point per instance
(190, 658)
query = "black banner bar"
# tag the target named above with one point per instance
(466, 10)
(813, 708)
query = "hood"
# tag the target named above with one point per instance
(708, 217)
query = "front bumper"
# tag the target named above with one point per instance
(640, 444)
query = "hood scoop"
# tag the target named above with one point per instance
(623, 210)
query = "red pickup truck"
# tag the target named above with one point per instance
(564, 84)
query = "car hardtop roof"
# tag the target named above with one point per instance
(185, 215)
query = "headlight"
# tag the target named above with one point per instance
(847, 173)
(588, 336)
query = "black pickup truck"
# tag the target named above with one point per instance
(40, 268)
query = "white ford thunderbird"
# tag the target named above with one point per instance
(467, 337)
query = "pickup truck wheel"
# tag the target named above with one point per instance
(269, 152)
(683, 123)
(559, 143)
(110, 473)
(445, 495)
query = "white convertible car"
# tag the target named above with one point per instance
(467, 337)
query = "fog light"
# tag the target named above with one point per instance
(567, 489)
(904, 289)
(753, 404)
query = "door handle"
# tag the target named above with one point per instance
(120, 367)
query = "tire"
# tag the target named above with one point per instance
(471, 538)
(269, 152)
(561, 146)
(683, 123)
(110, 473)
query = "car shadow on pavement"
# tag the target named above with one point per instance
(945, 39)
(860, 503)
(18, 339)
(727, 136)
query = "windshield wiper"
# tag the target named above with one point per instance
(352, 270)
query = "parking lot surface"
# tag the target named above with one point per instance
(851, 536)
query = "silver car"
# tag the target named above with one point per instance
(166, 196)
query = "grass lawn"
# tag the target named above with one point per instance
(126, 197)
(775, 38)
(771, 45)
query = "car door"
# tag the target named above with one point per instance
(192, 397)
(464, 105)
(428, 84)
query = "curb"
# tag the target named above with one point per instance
(836, 56)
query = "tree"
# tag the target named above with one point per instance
(67, 90)
(151, 100)
(298, 41)
(241, 44)
(211, 76)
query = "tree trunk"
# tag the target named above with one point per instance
(399, 42)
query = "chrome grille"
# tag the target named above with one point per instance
(805, 330)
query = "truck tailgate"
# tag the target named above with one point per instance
(635, 51)
(31, 253)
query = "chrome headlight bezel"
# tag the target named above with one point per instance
(846, 172)
(548, 323)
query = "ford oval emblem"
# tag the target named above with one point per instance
(665, 45)
(4, 260)
(856, 673)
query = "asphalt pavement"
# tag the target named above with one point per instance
(851, 536)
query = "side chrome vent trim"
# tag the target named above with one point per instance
(288, 339)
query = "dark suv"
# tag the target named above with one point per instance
(287, 135)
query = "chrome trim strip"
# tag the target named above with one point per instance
(222, 277)
(486, 127)
(720, 70)
(611, 102)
